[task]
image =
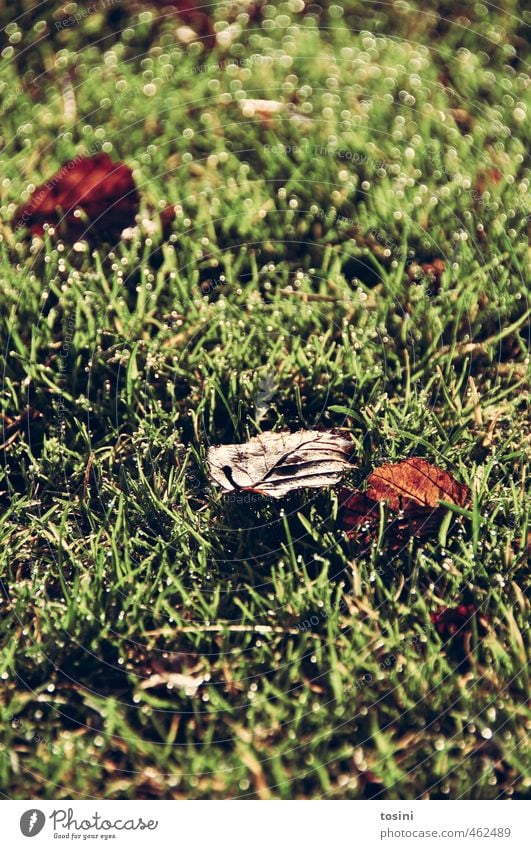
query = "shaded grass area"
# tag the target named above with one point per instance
(158, 640)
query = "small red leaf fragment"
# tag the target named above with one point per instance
(360, 516)
(456, 625)
(458, 620)
(193, 15)
(415, 483)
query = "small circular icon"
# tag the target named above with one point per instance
(32, 822)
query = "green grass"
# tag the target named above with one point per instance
(311, 670)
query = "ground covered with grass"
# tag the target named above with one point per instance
(351, 253)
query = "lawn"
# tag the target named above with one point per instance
(349, 252)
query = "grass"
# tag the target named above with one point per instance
(289, 664)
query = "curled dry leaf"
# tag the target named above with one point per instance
(412, 491)
(274, 464)
(90, 195)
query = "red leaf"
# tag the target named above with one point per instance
(195, 17)
(103, 190)
(412, 491)
(415, 483)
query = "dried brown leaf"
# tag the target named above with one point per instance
(412, 490)
(415, 483)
